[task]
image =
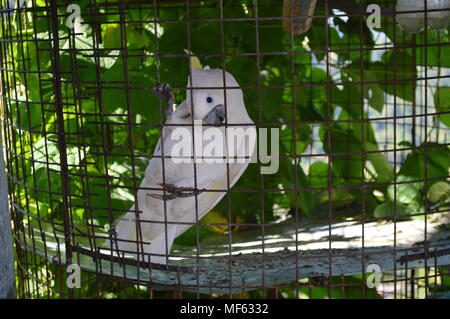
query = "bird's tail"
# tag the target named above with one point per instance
(122, 237)
(132, 237)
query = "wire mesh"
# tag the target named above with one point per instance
(362, 116)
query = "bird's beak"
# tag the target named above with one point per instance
(216, 115)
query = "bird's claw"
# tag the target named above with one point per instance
(164, 197)
(175, 191)
(172, 188)
(189, 194)
(164, 91)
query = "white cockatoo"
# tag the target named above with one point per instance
(170, 199)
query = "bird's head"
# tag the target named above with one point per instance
(214, 96)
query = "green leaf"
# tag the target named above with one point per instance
(348, 166)
(439, 192)
(317, 38)
(406, 191)
(387, 209)
(306, 198)
(340, 197)
(432, 157)
(111, 37)
(373, 92)
(442, 104)
(380, 162)
(378, 159)
(318, 175)
(398, 70)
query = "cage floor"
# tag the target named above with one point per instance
(280, 255)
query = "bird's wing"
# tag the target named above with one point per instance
(235, 172)
(179, 116)
(211, 199)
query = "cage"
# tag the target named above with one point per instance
(357, 108)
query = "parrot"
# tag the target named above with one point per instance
(174, 195)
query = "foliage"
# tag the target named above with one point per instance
(108, 71)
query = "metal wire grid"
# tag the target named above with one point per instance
(71, 93)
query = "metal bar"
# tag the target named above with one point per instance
(65, 188)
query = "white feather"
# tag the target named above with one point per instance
(160, 222)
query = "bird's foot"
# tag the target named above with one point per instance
(177, 192)
(112, 232)
(172, 188)
(164, 197)
(164, 91)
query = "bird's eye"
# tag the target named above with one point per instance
(209, 100)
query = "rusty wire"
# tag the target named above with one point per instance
(71, 93)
